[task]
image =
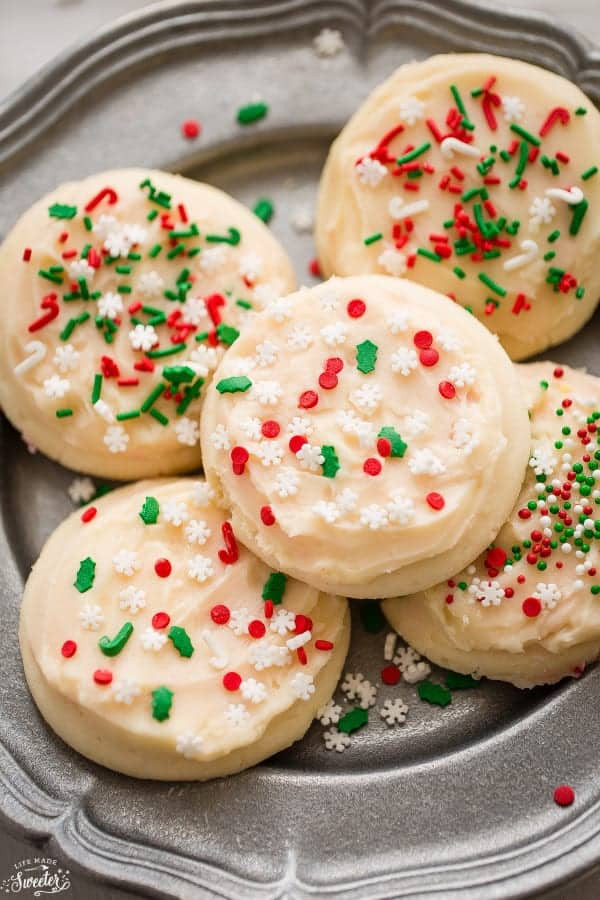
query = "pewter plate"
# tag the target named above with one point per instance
(458, 802)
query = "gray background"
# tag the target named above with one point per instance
(31, 33)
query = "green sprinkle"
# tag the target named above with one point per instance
(124, 416)
(167, 351)
(232, 237)
(434, 693)
(331, 462)
(373, 238)
(595, 589)
(264, 209)
(152, 215)
(50, 276)
(371, 616)
(580, 111)
(233, 385)
(111, 647)
(149, 511)
(64, 413)
(498, 289)
(192, 231)
(96, 389)
(89, 225)
(422, 148)
(461, 108)
(159, 416)
(83, 288)
(190, 392)
(62, 211)
(398, 445)
(457, 682)
(579, 211)
(85, 575)
(549, 255)
(161, 198)
(580, 291)
(175, 251)
(526, 135)
(178, 374)
(353, 720)
(366, 357)
(245, 304)
(523, 157)
(71, 325)
(153, 396)
(274, 587)
(589, 173)
(460, 273)
(474, 192)
(505, 155)
(155, 250)
(252, 112)
(553, 236)
(429, 254)
(181, 641)
(227, 334)
(462, 585)
(162, 699)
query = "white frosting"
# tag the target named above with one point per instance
(220, 730)
(58, 373)
(341, 513)
(485, 628)
(360, 196)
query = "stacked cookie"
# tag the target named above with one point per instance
(365, 438)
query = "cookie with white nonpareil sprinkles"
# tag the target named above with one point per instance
(366, 434)
(156, 645)
(477, 176)
(527, 610)
(122, 292)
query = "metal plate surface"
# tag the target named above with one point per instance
(458, 802)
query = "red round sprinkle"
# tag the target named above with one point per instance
(103, 676)
(220, 614)
(524, 514)
(314, 268)
(328, 380)
(160, 620)
(323, 645)
(231, 681)
(532, 607)
(496, 557)
(68, 649)
(372, 466)
(564, 795)
(190, 128)
(162, 567)
(449, 599)
(435, 500)
(269, 609)
(334, 364)
(297, 441)
(308, 399)
(447, 390)
(384, 447)
(88, 514)
(521, 579)
(356, 308)
(256, 628)
(267, 516)
(509, 592)
(558, 372)
(423, 340)
(429, 357)
(390, 675)
(302, 624)
(270, 428)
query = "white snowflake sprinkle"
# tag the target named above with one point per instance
(270, 453)
(462, 436)
(462, 375)
(310, 457)
(266, 353)
(264, 655)
(367, 398)
(143, 337)
(239, 621)
(329, 300)
(253, 690)
(393, 712)
(401, 509)
(302, 220)
(302, 685)
(126, 690)
(213, 258)
(283, 621)
(336, 740)
(411, 110)
(448, 341)
(81, 490)
(416, 423)
(151, 639)
(327, 511)
(346, 500)
(549, 594)
(202, 493)
(197, 531)
(404, 360)
(279, 308)
(351, 684)
(236, 713)
(329, 714)
(126, 562)
(187, 431)
(150, 284)
(335, 334)
(299, 425)
(132, 599)
(66, 358)
(252, 428)
(286, 483)
(188, 744)
(543, 461)
(393, 261)
(80, 268)
(56, 387)
(397, 322)
(300, 337)
(328, 42)
(200, 567)
(541, 211)
(267, 393)
(174, 511)
(116, 439)
(91, 617)
(110, 305)
(203, 360)
(370, 171)
(219, 438)
(251, 265)
(425, 462)
(513, 109)
(374, 517)
(195, 313)
(488, 592)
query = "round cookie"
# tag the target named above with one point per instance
(477, 176)
(528, 610)
(157, 646)
(366, 434)
(121, 292)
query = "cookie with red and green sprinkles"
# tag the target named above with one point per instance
(366, 434)
(527, 610)
(122, 291)
(477, 176)
(157, 645)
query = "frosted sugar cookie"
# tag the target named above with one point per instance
(156, 645)
(528, 610)
(121, 292)
(477, 176)
(366, 434)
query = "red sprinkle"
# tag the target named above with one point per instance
(390, 675)
(220, 614)
(269, 609)
(88, 514)
(302, 624)
(160, 620)
(308, 399)
(162, 567)
(68, 649)
(26, 254)
(423, 340)
(447, 390)
(302, 657)
(257, 629)
(496, 557)
(267, 516)
(334, 364)
(328, 380)
(429, 357)
(356, 308)
(323, 645)
(297, 441)
(372, 466)
(435, 500)
(108, 367)
(532, 607)
(239, 458)
(231, 554)
(190, 128)
(314, 268)
(384, 447)
(564, 795)
(270, 428)
(103, 676)
(232, 681)
(558, 372)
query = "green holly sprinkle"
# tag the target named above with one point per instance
(434, 693)
(113, 647)
(457, 682)
(149, 511)
(366, 357)
(181, 641)
(162, 699)
(331, 462)
(227, 334)
(398, 445)
(62, 211)
(252, 112)
(85, 575)
(353, 720)
(274, 587)
(235, 384)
